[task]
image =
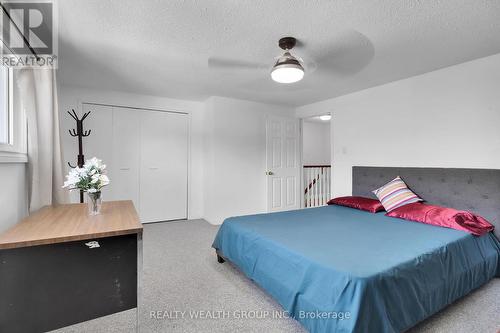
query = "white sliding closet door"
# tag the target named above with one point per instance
(125, 168)
(146, 153)
(98, 143)
(164, 158)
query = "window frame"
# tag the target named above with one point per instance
(15, 150)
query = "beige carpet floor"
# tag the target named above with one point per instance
(181, 274)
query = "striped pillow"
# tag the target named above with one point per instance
(395, 194)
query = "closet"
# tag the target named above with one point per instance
(146, 152)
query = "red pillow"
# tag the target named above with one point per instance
(443, 217)
(361, 203)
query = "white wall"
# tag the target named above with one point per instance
(235, 157)
(227, 147)
(316, 143)
(446, 118)
(13, 194)
(72, 98)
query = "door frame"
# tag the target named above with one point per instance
(92, 101)
(301, 157)
(302, 118)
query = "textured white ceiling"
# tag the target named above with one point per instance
(163, 47)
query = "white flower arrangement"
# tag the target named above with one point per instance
(90, 178)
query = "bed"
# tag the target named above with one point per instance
(337, 269)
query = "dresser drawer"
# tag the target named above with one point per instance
(51, 286)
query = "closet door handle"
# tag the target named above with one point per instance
(153, 168)
(124, 168)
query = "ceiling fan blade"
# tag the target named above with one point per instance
(224, 63)
(348, 54)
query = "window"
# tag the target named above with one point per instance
(12, 121)
(4, 106)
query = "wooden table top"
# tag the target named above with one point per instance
(66, 223)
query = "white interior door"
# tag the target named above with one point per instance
(125, 167)
(283, 168)
(164, 158)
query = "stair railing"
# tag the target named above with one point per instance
(317, 185)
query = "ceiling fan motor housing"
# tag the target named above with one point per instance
(287, 43)
(287, 59)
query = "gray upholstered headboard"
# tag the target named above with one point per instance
(475, 190)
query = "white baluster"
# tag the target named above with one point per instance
(329, 183)
(308, 193)
(306, 178)
(313, 189)
(304, 186)
(321, 187)
(318, 187)
(326, 186)
(309, 187)
(316, 174)
(325, 175)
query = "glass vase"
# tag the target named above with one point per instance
(94, 203)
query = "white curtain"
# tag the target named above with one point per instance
(38, 97)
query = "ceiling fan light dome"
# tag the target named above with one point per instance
(285, 74)
(287, 69)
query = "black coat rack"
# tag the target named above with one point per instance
(80, 134)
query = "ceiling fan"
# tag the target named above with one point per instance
(287, 68)
(345, 54)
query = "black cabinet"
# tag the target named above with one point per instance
(46, 287)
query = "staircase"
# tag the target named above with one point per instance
(317, 185)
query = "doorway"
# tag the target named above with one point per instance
(316, 161)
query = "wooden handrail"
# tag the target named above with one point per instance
(318, 166)
(317, 179)
(311, 184)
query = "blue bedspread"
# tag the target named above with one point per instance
(337, 269)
